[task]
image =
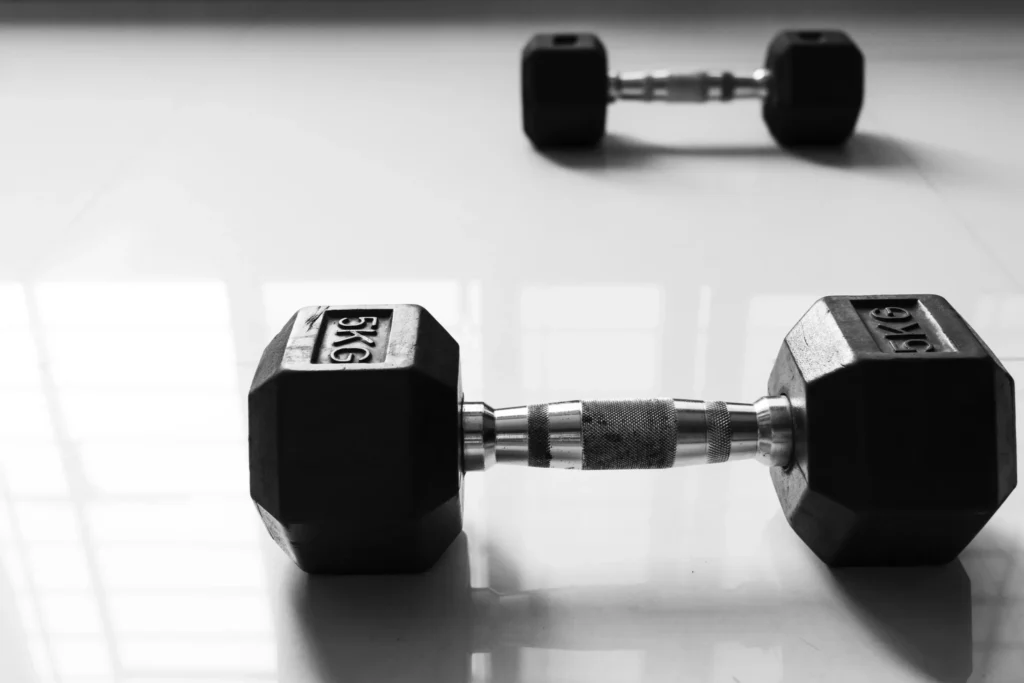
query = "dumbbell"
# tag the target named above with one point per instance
(812, 88)
(888, 429)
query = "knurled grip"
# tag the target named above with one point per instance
(537, 436)
(603, 435)
(719, 431)
(629, 435)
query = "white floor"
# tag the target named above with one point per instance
(169, 195)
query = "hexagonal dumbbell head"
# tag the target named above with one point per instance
(817, 88)
(905, 431)
(565, 89)
(354, 439)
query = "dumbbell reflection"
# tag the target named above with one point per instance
(374, 628)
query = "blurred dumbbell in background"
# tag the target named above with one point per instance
(811, 86)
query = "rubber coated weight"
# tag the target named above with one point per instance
(903, 425)
(817, 88)
(564, 89)
(905, 434)
(354, 439)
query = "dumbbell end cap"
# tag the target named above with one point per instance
(564, 90)
(817, 88)
(354, 439)
(905, 430)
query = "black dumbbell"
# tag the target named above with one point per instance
(888, 428)
(812, 87)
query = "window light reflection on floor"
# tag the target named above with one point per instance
(109, 535)
(600, 341)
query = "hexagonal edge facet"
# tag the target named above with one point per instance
(263, 437)
(1006, 432)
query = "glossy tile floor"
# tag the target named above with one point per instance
(169, 194)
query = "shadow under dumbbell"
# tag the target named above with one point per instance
(428, 626)
(991, 560)
(622, 151)
(864, 150)
(921, 614)
(382, 628)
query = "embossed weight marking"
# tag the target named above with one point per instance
(901, 331)
(903, 327)
(353, 337)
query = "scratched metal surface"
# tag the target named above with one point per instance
(171, 194)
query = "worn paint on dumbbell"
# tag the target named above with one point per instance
(351, 337)
(903, 327)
